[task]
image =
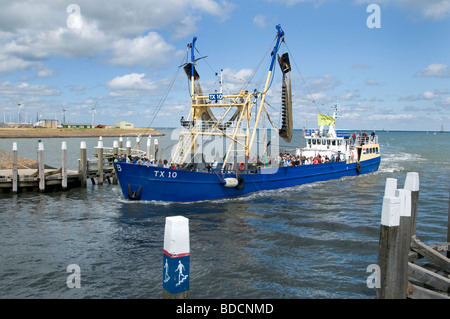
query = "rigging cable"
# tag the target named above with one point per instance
(161, 102)
(304, 82)
(164, 97)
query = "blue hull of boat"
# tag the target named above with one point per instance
(169, 185)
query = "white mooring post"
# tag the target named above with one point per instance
(149, 146)
(395, 237)
(156, 149)
(128, 148)
(64, 166)
(41, 167)
(120, 144)
(115, 148)
(115, 153)
(15, 171)
(176, 258)
(138, 143)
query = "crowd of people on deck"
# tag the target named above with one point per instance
(287, 159)
(145, 161)
(363, 137)
(284, 159)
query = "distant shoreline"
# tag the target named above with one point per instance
(63, 132)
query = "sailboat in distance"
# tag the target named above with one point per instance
(242, 166)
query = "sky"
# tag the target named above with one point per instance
(386, 64)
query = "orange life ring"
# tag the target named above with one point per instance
(241, 166)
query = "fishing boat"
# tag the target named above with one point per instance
(236, 153)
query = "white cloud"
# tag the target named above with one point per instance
(86, 41)
(428, 95)
(134, 84)
(435, 9)
(324, 83)
(260, 21)
(390, 117)
(430, 9)
(360, 66)
(11, 64)
(444, 103)
(435, 70)
(349, 96)
(372, 81)
(150, 50)
(21, 90)
(294, 2)
(235, 80)
(112, 31)
(46, 73)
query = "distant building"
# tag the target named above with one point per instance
(46, 123)
(76, 125)
(124, 125)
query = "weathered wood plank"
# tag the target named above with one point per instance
(417, 292)
(434, 256)
(428, 277)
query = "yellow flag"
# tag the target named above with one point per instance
(324, 120)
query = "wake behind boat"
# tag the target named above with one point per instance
(234, 153)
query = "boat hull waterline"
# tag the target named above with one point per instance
(150, 183)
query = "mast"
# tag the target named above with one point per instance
(280, 35)
(241, 141)
(193, 98)
(192, 46)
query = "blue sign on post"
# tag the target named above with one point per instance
(176, 258)
(176, 273)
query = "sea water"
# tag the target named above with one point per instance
(309, 241)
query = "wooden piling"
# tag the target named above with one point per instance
(412, 184)
(400, 246)
(404, 245)
(15, 171)
(83, 164)
(41, 167)
(389, 249)
(64, 166)
(176, 258)
(448, 223)
(100, 161)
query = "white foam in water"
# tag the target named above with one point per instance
(391, 163)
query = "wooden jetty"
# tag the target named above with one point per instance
(20, 179)
(24, 175)
(401, 275)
